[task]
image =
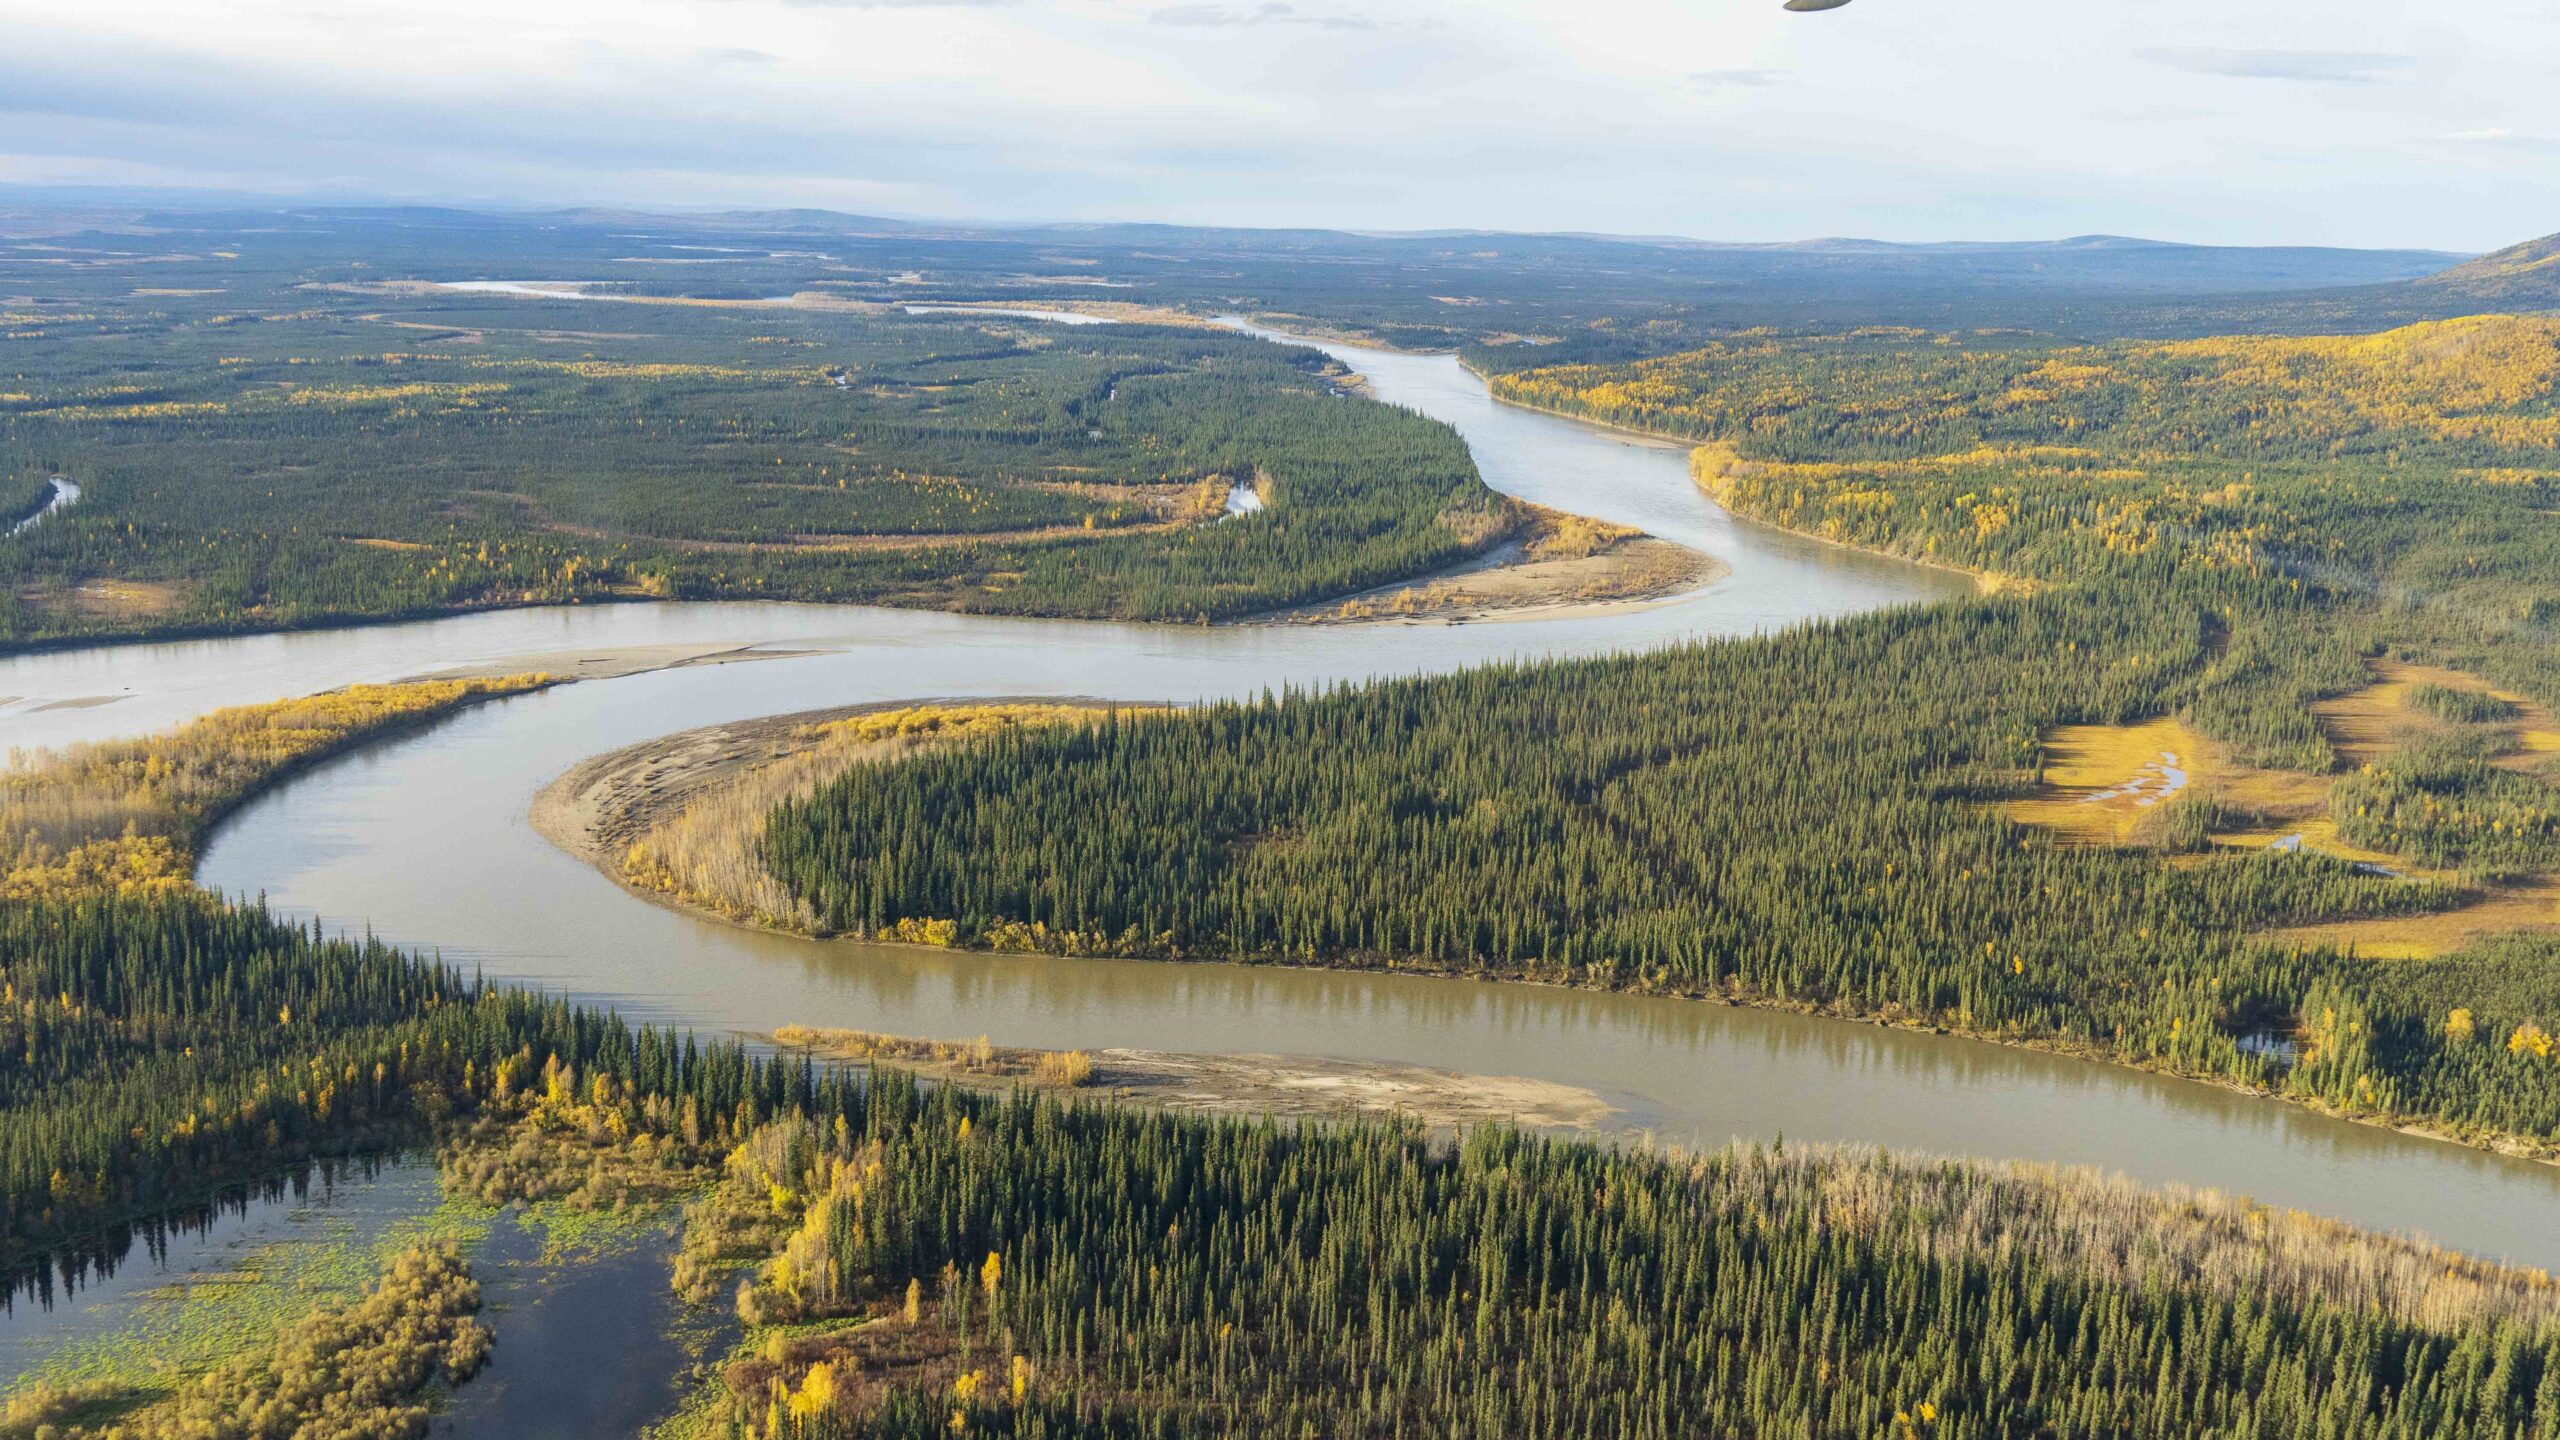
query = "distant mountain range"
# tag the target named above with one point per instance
(1423, 289)
(2110, 261)
(2103, 262)
(2094, 264)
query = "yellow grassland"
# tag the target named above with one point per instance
(125, 815)
(156, 410)
(116, 599)
(2101, 782)
(2366, 726)
(2532, 904)
(2096, 776)
(349, 396)
(1574, 537)
(706, 855)
(2369, 723)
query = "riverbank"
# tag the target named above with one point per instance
(127, 816)
(430, 847)
(61, 496)
(1307, 330)
(1087, 312)
(1713, 465)
(676, 819)
(1287, 1086)
(599, 809)
(1509, 582)
(2511, 1146)
(1984, 582)
(1560, 565)
(1533, 575)
(610, 662)
(250, 627)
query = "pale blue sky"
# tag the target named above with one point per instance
(2353, 122)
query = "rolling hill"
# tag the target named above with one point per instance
(2525, 276)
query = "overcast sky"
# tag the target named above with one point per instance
(2353, 122)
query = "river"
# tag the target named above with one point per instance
(424, 841)
(65, 495)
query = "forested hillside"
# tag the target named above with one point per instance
(2521, 276)
(2421, 457)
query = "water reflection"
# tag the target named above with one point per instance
(170, 1243)
(592, 1340)
(179, 1293)
(593, 1344)
(425, 841)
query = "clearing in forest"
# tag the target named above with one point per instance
(2102, 784)
(2383, 716)
(2367, 728)
(2530, 904)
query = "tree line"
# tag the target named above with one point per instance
(1141, 1273)
(1032, 1267)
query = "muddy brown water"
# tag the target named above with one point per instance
(424, 841)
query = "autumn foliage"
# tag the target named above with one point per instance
(123, 816)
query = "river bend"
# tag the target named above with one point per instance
(424, 841)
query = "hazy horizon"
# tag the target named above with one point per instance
(179, 201)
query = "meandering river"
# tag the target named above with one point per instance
(424, 841)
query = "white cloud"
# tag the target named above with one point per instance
(2497, 137)
(2319, 67)
(1710, 81)
(1269, 12)
(1995, 118)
